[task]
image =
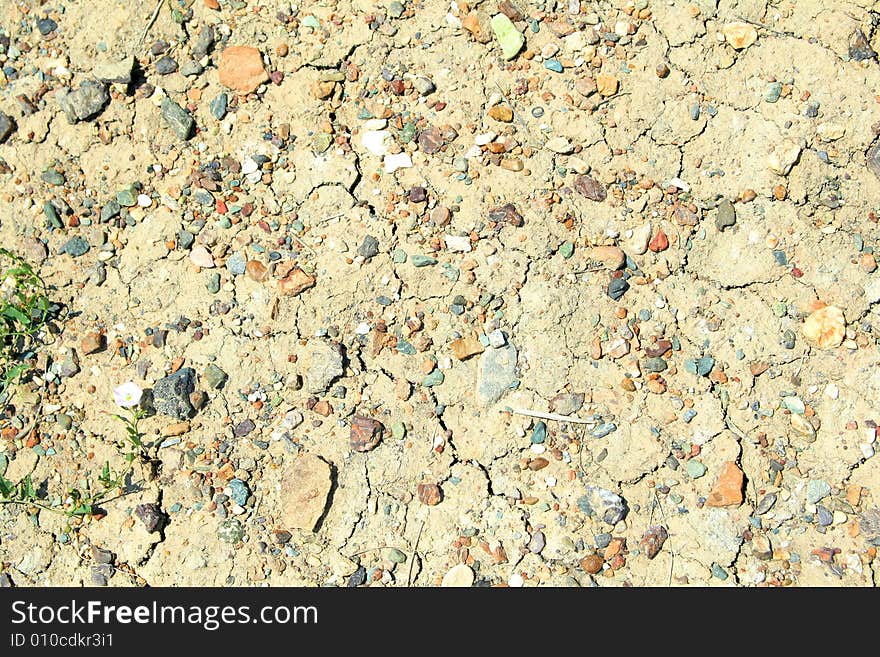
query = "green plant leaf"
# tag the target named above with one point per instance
(5, 487)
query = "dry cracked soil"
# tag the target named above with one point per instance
(518, 293)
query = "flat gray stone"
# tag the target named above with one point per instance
(496, 371)
(171, 394)
(324, 364)
(84, 103)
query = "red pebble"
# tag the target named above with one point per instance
(659, 242)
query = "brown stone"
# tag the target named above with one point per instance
(473, 24)
(365, 433)
(241, 69)
(868, 263)
(464, 348)
(758, 367)
(176, 429)
(501, 113)
(825, 328)
(198, 398)
(430, 494)
(538, 464)
(653, 350)
(592, 563)
(590, 187)
(659, 242)
(256, 270)
(662, 70)
(653, 539)
(610, 256)
(508, 9)
(305, 485)
(585, 86)
(93, 342)
(296, 282)
(739, 35)
(728, 489)
(323, 408)
(506, 213)
(403, 389)
(606, 85)
(431, 140)
(322, 89)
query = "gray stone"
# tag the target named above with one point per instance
(191, 68)
(166, 65)
(85, 102)
(817, 490)
(178, 119)
(75, 247)
(538, 542)
(236, 263)
(5, 581)
(496, 372)
(567, 403)
(369, 247)
(214, 376)
(725, 215)
(823, 516)
(604, 504)
(100, 555)
(205, 42)
(7, 126)
(873, 158)
(324, 364)
(171, 394)
(116, 72)
(219, 105)
(69, 365)
(230, 531)
(151, 515)
(766, 504)
(424, 86)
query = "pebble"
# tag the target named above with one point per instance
(376, 141)
(606, 85)
(559, 145)
(238, 491)
(501, 113)
(509, 38)
(201, 257)
(191, 68)
(236, 264)
(774, 90)
(616, 288)
(825, 328)
(306, 483)
(641, 236)
(46, 26)
(590, 188)
(802, 427)
(205, 42)
(592, 564)
(653, 539)
(457, 244)
(539, 433)
(365, 433)
(7, 126)
(739, 35)
(603, 430)
(241, 69)
(567, 403)
(85, 102)
(725, 215)
(728, 489)
(424, 86)
(92, 343)
(430, 494)
(75, 247)
(553, 65)
(435, 378)
(171, 394)
(459, 576)
(496, 371)
(859, 47)
(419, 260)
(166, 65)
(604, 504)
(218, 106)
(464, 348)
(369, 247)
(178, 119)
(231, 531)
(214, 376)
(695, 469)
(393, 162)
(152, 516)
(817, 490)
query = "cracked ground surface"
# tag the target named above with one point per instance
(729, 182)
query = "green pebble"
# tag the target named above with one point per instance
(396, 556)
(435, 378)
(539, 434)
(126, 197)
(419, 260)
(779, 309)
(398, 431)
(408, 132)
(311, 21)
(64, 421)
(321, 142)
(794, 404)
(405, 347)
(52, 177)
(567, 250)
(213, 283)
(510, 38)
(719, 572)
(695, 469)
(214, 376)
(52, 215)
(398, 256)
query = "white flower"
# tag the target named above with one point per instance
(128, 395)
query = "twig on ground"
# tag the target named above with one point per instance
(151, 21)
(551, 416)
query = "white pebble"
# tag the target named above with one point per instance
(515, 581)
(397, 161)
(144, 201)
(362, 329)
